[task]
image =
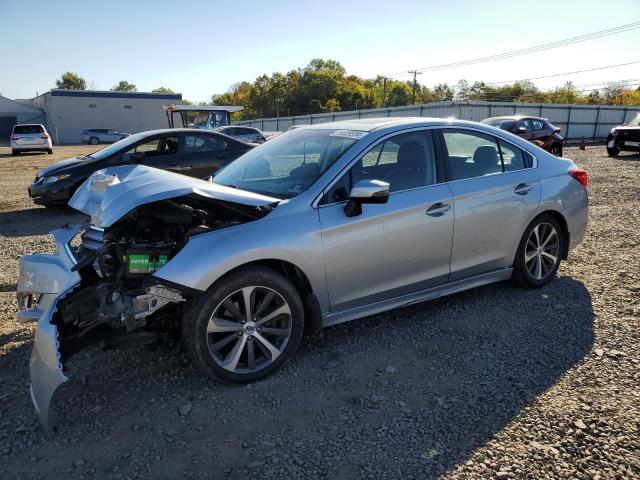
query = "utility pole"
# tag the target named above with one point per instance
(414, 73)
(384, 92)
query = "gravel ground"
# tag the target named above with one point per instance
(495, 382)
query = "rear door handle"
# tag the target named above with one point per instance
(523, 189)
(438, 209)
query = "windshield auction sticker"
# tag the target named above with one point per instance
(355, 134)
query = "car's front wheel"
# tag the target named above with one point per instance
(539, 253)
(613, 151)
(94, 141)
(245, 326)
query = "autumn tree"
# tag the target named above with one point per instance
(71, 81)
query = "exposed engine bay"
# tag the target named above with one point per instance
(118, 294)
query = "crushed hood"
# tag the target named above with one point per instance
(109, 194)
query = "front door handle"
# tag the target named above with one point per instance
(438, 209)
(523, 189)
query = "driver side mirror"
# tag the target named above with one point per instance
(366, 191)
(521, 130)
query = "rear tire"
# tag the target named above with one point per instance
(94, 141)
(539, 253)
(556, 150)
(233, 346)
(15, 152)
(50, 151)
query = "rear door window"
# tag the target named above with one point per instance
(512, 157)
(28, 129)
(471, 154)
(203, 143)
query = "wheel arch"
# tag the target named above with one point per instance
(563, 225)
(293, 273)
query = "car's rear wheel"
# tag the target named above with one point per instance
(15, 152)
(539, 253)
(50, 151)
(94, 141)
(613, 151)
(245, 326)
(556, 150)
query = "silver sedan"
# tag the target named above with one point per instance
(318, 226)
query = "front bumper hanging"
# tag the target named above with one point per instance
(44, 280)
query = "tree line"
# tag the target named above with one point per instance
(324, 86)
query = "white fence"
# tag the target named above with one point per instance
(593, 122)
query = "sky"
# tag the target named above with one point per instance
(199, 48)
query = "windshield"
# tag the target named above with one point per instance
(635, 122)
(117, 146)
(290, 163)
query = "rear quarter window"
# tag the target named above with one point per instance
(27, 129)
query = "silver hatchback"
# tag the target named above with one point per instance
(318, 226)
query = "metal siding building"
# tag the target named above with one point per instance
(68, 112)
(12, 112)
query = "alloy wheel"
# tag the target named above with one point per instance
(249, 329)
(542, 250)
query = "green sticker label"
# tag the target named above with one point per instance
(141, 263)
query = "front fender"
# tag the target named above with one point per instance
(292, 238)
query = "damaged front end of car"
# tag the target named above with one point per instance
(103, 288)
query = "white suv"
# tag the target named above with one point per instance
(30, 137)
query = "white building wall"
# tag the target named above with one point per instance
(70, 112)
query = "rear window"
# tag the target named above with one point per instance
(27, 129)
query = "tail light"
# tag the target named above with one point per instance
(580, 175)
(44, 136)
(15, 137)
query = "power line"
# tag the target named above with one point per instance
(563, 74)
(528, 50)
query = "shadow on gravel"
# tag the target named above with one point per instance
(629, 157)
(36, 221)
(10, 155)
(409, 392)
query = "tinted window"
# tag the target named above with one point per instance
(526, 124)
(27, 129)
(203, 143)
(154, 148)
(405, 161)
(512, 157)
(537, 125)
(471, 154)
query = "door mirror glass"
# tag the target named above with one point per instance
(366, 191)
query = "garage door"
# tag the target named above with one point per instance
(6, 126)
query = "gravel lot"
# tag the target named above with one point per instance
(495, 382)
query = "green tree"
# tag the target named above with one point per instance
(71, 81)
(162, 90)
(124, 86)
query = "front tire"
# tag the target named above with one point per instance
(539, 253)
(612, 152)
(556, 150)
(94, 141)
(245, 327)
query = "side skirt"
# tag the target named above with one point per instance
(416, 297)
